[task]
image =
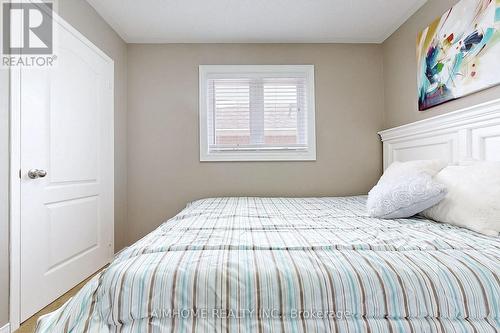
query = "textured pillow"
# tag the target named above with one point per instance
(404, 169)
(402, 178)
(473, 199)
(404, 197)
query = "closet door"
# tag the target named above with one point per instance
(67, 212)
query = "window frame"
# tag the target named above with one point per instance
(303, 154)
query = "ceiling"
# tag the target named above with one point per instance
(255, 21)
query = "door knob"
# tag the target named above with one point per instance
(35, 173)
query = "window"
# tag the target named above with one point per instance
(257, 113)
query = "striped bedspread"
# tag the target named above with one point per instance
(292, 265)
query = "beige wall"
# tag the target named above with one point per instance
(85, 19)
(4, 196)
(164, 172)
(400, 79)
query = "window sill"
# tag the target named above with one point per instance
(261, 156)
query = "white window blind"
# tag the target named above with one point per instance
(257, 114)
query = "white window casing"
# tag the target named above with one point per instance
(257, 113)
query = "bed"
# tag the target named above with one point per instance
(292, 265)
(306, 264)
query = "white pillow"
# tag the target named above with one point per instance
(406, 189)
(473, 199)
(403, 169)
(404, 197)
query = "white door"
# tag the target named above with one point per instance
(67, 149)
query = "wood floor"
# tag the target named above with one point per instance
(29, 325)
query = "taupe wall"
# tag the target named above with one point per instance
(400, 78)
(4, 196)
(164, 172)
(85, 19)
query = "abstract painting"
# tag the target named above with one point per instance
(459, 53)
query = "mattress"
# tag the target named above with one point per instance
(292, 265)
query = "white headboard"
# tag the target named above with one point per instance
(464, 134)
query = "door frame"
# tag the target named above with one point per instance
(15, 170)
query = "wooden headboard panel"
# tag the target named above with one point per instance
(464, 134)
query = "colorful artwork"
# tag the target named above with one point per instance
(459, 53)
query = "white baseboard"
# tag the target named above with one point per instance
(5, 329)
